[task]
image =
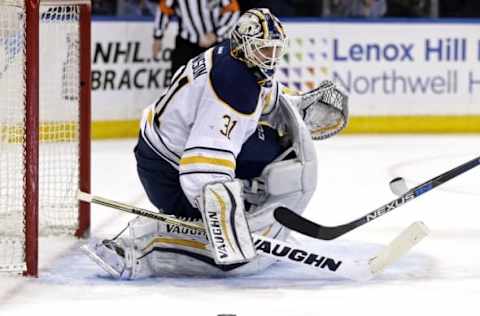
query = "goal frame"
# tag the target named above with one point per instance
(32, 60)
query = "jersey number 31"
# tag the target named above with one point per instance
(228, 127)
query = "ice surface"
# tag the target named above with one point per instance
(441, 276)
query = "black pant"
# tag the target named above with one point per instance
(161, 183)
(183, 52)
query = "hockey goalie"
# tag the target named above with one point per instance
(225, 145)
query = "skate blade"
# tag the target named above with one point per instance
(92, 255)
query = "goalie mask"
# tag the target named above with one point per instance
(258, 39)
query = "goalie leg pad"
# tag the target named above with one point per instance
(224, 217)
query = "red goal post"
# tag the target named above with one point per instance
(44, 126)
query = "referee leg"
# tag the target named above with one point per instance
(183, 52)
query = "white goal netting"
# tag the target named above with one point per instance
(59, 126)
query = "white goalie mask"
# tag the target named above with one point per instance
(259, 40)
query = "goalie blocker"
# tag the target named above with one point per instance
(223, 213)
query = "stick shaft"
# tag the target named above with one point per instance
(86, 197)
(421, 189)
(295, 222)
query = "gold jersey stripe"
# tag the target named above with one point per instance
(150, 118)
(207, 160)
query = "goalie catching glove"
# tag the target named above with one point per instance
(223, 214)
(324, 110)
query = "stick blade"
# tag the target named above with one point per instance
(296, 222)
(405, 241)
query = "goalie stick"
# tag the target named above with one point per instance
(333, 264)
(295, 222)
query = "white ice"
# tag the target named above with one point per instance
(441, 276)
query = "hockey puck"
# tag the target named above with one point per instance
(398, 186)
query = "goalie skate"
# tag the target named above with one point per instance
(108, 255)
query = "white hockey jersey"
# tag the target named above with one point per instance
(201, 122)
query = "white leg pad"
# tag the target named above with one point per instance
(226, 224)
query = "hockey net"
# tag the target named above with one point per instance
(44, 125)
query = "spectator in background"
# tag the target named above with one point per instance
(460, 8)
(358, 8)
(408, 8)
(132, 8)
(105, 7)
(202, 24)
(312, 8)
(127, 8)
(150, 7)
(277, 7)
